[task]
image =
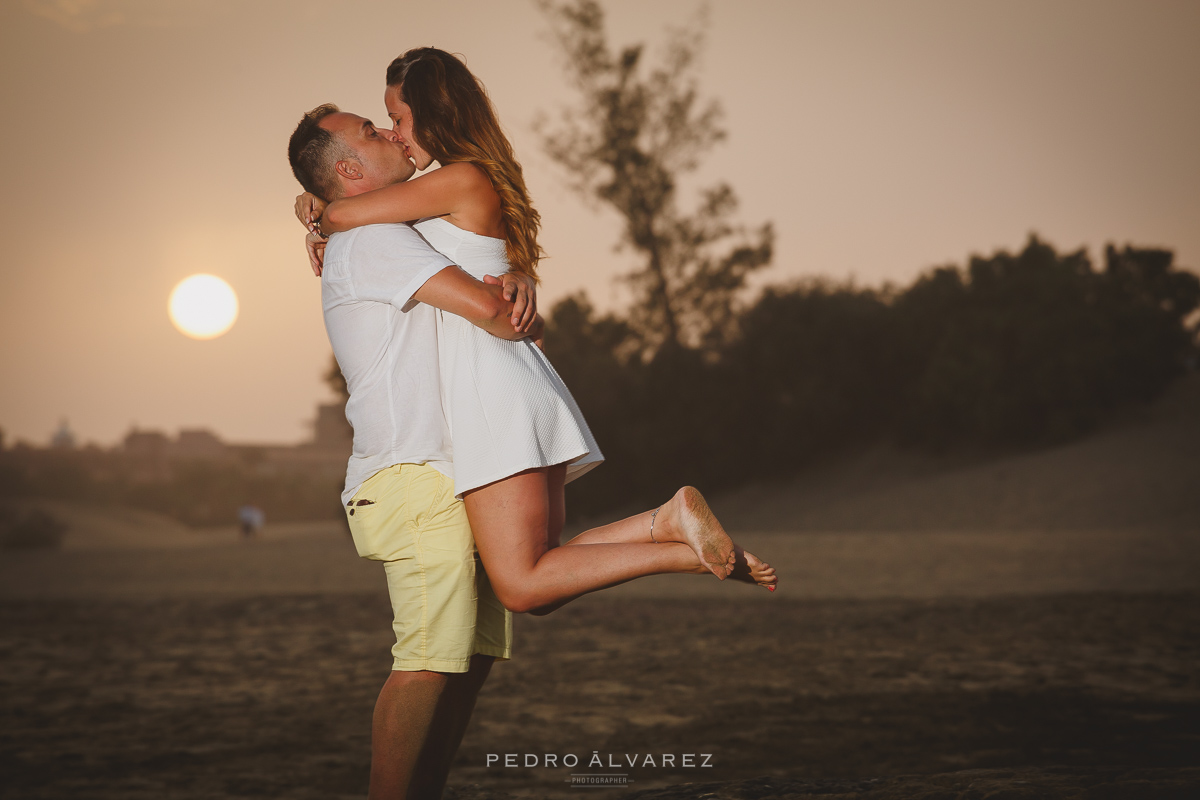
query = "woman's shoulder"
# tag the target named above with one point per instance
(460, 188)
(479, 206)
(467, 183)
(466, 174)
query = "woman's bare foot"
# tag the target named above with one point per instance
(686, 518)
(749, 568)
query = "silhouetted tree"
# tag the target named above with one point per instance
(1038, 347)
(597, 357)
(627, 144)
(816, 369)
(1149, 310)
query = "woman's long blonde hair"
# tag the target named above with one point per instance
(453, 120)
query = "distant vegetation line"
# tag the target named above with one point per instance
(1022, 350)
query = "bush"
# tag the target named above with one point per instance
(31, 530)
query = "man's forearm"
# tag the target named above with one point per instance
(481, 304)
(496, 317)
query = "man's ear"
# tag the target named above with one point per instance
(350, 170)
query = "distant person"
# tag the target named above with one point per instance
(251, 519)
(397, 313)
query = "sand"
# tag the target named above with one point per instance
(249, 669)
(205, 697)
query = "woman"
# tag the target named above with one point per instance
(518, 435)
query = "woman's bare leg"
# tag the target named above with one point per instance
(512, 521)
(669, 526)
(518, 520)
(556, 480)
(556, 487)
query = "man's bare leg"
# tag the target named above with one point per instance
(449, 724)
(404, 715)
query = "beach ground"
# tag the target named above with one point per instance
(887, 665)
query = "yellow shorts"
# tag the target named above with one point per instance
(444, 608)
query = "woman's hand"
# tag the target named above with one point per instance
(521, 291)
(537, 332)
(315, 244)
(309, 209)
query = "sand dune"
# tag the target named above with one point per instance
(1142, 473)
(93, 527)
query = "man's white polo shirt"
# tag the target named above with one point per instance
(386, 345)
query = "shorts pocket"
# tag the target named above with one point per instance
(380, 516)
(362, 528)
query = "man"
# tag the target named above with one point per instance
(379, 287)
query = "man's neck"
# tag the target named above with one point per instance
(355, 188)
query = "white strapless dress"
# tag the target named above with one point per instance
(507, 408)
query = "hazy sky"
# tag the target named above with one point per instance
(144, 140)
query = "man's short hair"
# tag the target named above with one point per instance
(313, 152)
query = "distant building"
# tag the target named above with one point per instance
(198, 444)
(153, 456)
(146, 444)
(63, 438)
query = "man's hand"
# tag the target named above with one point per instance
(309, 209)
(315, 244)
(521, 291)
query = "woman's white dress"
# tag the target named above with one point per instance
(508, 410)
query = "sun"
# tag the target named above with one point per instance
(203, 306)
